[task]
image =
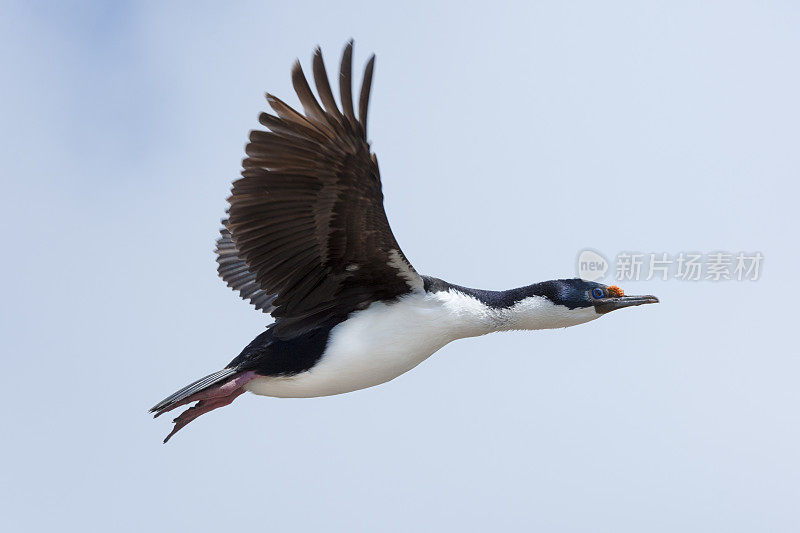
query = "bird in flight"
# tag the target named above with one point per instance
(306, 240)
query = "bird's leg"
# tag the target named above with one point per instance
(210, 399)
(202, 407)
(216, 391)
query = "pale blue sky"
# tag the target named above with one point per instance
(510, 137)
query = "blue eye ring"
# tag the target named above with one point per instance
(597, 293)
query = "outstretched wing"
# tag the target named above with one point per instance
(309, 240)
(237, 275)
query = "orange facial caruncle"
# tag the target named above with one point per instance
(615, 291)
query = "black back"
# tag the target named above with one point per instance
(269, 355)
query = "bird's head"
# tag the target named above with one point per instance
(578, 293)
(606, 298)
(567, 302)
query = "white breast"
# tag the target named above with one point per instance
(378, 344)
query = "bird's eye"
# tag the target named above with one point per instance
(597, 293)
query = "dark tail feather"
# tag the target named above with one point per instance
(178, 398)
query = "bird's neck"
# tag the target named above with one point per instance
(473, 312)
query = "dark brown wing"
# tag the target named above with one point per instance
(237, 275)
(310, 239)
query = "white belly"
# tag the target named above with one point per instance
(372, 347)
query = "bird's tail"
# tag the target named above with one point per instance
(213, 391)
(177, 398)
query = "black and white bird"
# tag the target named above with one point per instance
(306, 239)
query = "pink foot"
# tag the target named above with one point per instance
(215, 391)
(208, 400)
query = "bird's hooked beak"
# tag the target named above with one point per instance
(613, 303)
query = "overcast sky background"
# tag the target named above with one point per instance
(510, 138)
